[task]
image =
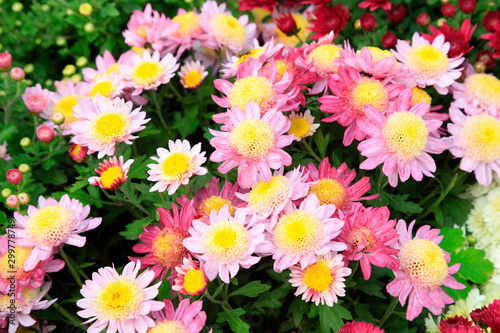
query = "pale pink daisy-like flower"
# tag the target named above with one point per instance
(190, 278)
(4, 155)
(322, 281)
(351, 92)
(23, 303)
(480, 93)
(106, 64)
(369, 235)
(36, 99)
(149, 71)
(429, 62)
(422, 272)
(304, 233)
(30, 279)
(119, 302)
(105, 122)
(192, 74)
(476, 139)
(50, 225)
(302, 125)
(210, 198)
(401, 141)
(112, 173)
(333, 185)
(227, 242)
(252, 143)
(267, 199)
(176, 166)
(187, 318)
(221, 28)
(163, 244)
(189, 30)
(107, 85)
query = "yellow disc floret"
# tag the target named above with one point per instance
(481, 138)
(192, 79)
(215, 202)
(119, 300)
(266, 196)
(298, 232)
(228, 30)
(405, 135)
(252, 88)
(363, 233)
(176, 166)
(226, 241)
(318, 276)
(168, 249)
(254, 53)
(104, 88)
(109, 127)
(194, 281)
(378, 54)
(189, 25)
(252, 138)
(420, 96)
(368, 91)
(65, 106)
(15, 263)
(323, 57)
(329, 191)
(146, 73)
(168, 326)
(485, 88)
(299, 127)
(424, 263)
(112, 174)
(142, 31)
(50, 224)
(427, 61)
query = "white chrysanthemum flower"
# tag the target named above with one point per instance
(491, 289)
(478, 190)
(492, 209)
(432, 323)
(463, 307)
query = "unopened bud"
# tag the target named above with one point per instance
(18, 23)
(480, 67)
(69, 70)
(25, 142)
(49, 83)
(14, 176)
(471, 240)
(357, 24)
(24, 168)
(44, 133)
(24, 198)
(29, 68)
(85, 9)
(60, 41)
(76, 78)
(45, 8)
(69, 12)
(12, 201)
(17, 7)
(57, 118)
(89, 28)
(440, 22)
(6, 192)
(17, 74)
(81, 61)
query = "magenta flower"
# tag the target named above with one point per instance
(209, 198)
(36, 99)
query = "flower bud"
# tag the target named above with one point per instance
(5, 61)
(368, 22)
(357, 24)
(389, 40)
(85, 9)
(25, 142)
(49, 83)
(29, 68)
(69, 70)
(448, 10)
(89, 27)
(18, 23)
(286, 24)
(14, 176)
(78, 152)
(44, 133)
(45, 8)
(486, 57)
(6, 192)
(76, 78)
(60, 41)
(467, 6)
(69, 12)
(12, 201)
(58, 118)
(24, 168)
(24, 198)
(440, 22)
(423, 20)
(396, 14)
(17, 7)
(471, 240)
(480, 67)
(81, 61)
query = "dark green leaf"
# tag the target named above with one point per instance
(399, 203)
(134, 229)
(297, 310)
(232, 316)
(330, 317)
(252, 289)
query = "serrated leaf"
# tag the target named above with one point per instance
(252, 289)
(473, 265)
(297, 310)
(232, 316)
(453, 239)
(455, 210)
(330, 317)
(138, 168)
(77, 185)
(399, 203)
(134, 229)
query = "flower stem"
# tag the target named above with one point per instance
(156, 102)
(135, 202)
(70, 267)
(441, 197)
(388, 312)
(310, 151)
(66, 314)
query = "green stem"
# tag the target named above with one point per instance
(393, 304)
(131, 211)
(355, 268)
(135, 202)
(66, 314)
(310, 151)
(156, 102)
(70, 267)
(211, 299)
(175, 91)
(35, 125)
(441, 197)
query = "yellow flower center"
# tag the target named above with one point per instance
(142, 31)
(168, 326)
(318, 276)
(147, 72)
(299, 127)
(377, 54)
(427, 61)
(112, 174)
(252, 138)
(298, 233)
(65, 106)
(50, 224)
(104, 88)
(109, 127)
(28, 298)
(254, 53)
(420, 96)
(226, 241)
(228, 30)
(215, 202)
(251, 88)
(481, 138)
(368, 91)
(194, 281)
(168, 249)
(357, 237)
(259, 14)
(292, 41)
(15, 263)
(405, 135)
(323, 57)
(177, 165)
(119, 300)
(485, 88)
(281, 67)
(266, 196)
(329, 191)
(115, 68)
(192, 79)
(189, 25)
(423, 261)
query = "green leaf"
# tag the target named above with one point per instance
(399, 203)
(252, 289)
(232, 316)
(134, 229)
(77, 185)
(473, 265)
(138, 168)
(330, 317)
(453, 239)
(297, 310)
(455, 210)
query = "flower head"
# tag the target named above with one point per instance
(36, 99)
(360, 327)
(210, 198)
(271, 30)
(459, 39)
(189, 30)
(374, 4)
(191, 278)
(192, 74)
(329, 18)
(5, 61)
(457, 324)
(187, 318)
(302, 125)
(78, 152)
(479, 93)
(112, 173)
(491, 20)
(119, 301)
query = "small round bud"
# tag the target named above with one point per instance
(368, 22)
(471, 240)
(85, 9)
(38, 41)
(14, 176)
(69, 70)
(440, 22)
(445, 1)
(12, 201)
(3, 93)
(24, 168)
(492, 3)
(29, 68)
(45, 8)
(44, 133)
(17, 74)
(57, 118)
(480, 67)
(81, 61)
(76, 78)
(17, 7)
(5, 61)
(423, 20)
(89, 28)
(24, 198)
(25, 142)
(6, 192)
(389, 40)
(357, 24)
(49, 83)
(18, 23)
(60, 41)
(448, 10)
(69, 12)
(78, 152)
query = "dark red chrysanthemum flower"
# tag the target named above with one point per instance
(492, 314)
(490, 20)
(251, 4)
(286, 24)
(486, 57)
(494, 41)
(477, 316)
(448, 10)
(396, 14)
(459, 39)
(389, 40)
(374, 4)
(368, 22)
(467, 6)
(458, 324)
(328, 18)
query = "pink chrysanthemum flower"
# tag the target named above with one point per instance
(304, 233)
(206, 56)
(191, 278)
(374, 4)
(192, 74)
(105, 122)
(322, 281)
(62, 102)
(50, 225)
(112, 173)
(30, 279)
(149, 71)
(480, 93)
(107, 85)
(360, 327)
(187, 318)
(267, 199)
(36, 99)
(334, 185)
(429, 62)
(252, 143)
(163, 244)
(476, 139)
(401, 141)
(227, 242)
(302, 125)
(106, 64)
(210, 198)
(176, 166)
(119, 302)
(422, 272)
(369, 235)
(351, 93)
(24, 302)
(189, 30)
(221, 28)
